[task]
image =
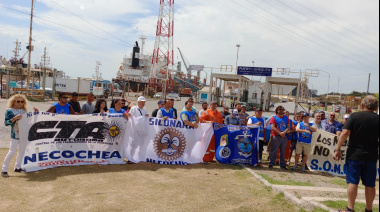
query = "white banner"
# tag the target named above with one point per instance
(50, 140)
(321, 159)
(166, 141)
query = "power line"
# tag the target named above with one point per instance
(90, 23)
(304, 37)
(312, 11)
(291, 32)
(66, 26)
(332, 14)
(332, 30)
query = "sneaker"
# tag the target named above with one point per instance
(270, 166)
(284, 168)
(4, 174)
(288, 163)
(294, 168)
(303, 170)
(20, 170)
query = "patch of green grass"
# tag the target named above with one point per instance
(314, 210)
(280, 200)
(288, 182)
(339, 182)
(343, 204)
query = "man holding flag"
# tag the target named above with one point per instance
(211, 116)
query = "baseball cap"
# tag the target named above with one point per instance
(235, 112)
(161, 102)
(306, 115)
(141, 99)
(259, 109)
(347, 116)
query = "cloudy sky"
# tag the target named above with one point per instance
(336, 36)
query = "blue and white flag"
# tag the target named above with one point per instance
(236, 144)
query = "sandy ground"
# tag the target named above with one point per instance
(138, 187)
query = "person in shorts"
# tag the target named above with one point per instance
(305, 133)
(362, 152)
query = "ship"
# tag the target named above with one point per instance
(134, 72)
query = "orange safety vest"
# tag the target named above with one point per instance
(217, 117)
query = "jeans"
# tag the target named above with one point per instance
(11, 153)
(278, 143)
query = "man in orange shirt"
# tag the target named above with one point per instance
(212, 116)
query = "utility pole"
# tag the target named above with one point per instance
(30, 47)
(46, 61)
(369, 81)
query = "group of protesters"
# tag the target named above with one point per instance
(287, 135)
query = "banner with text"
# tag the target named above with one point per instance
(236, 145)
(321, 158)
(52, 140)
(168, 142)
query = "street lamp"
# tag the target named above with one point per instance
(328, 90)
(237, 59)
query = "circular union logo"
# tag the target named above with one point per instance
(113, 131)
(225, 152)
(169, 144)
(245, 145)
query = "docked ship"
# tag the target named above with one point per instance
(134, 72)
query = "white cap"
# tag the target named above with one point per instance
(235, 112)
(141, 99)
(347, 116)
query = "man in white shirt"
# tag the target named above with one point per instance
(139, 110)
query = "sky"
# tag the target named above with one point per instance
(337, 37)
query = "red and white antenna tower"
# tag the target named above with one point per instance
(163, 53)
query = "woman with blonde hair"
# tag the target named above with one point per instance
(17, 105)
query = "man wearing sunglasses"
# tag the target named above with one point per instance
(62, 107)
(331, 125)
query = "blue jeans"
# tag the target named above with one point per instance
(278, 143)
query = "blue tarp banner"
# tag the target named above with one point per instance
(236, 145)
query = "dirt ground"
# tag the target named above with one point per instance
(138, 187)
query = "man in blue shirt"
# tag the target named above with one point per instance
(166, 112)
(259, 120)
(331, 125)
(62, 107)
(305, 133)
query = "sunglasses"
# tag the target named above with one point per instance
(20, 102)
(332, 115)
(65, 97)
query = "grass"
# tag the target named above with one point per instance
(138, 187)
(288, 182)
(314, 210)
(339, 182)
(343, 204)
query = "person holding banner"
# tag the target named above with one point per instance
(258, 120)
(62, 107)
(117, 108)
(212, 116)
(305, 133)
(139, 110)
(294, 135)
(17, 105)
(233, 119)
(280, 127)
(189, 117)
(101, 106)
(166, 112)
(363, 152)
(331, 125)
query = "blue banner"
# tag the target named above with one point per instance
(236, 145)
(255, 71)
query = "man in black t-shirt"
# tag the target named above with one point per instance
(74, 102)
(160, 104)
(362, 153)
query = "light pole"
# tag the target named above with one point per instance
(237, 59)
(253, 65)
(328, 90)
